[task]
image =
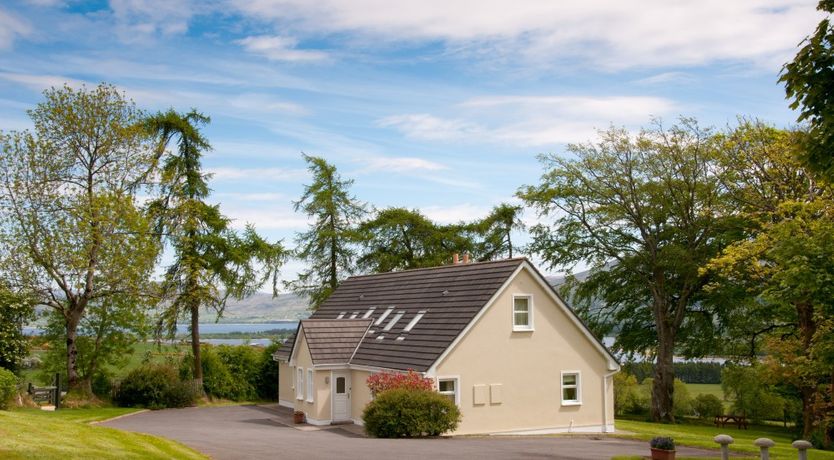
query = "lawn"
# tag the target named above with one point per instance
(700, 435)
(696, 389)
(36, 434)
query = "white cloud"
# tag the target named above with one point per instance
(12, 27)
(280, 48)
(272, 174)
(611, 34)
(138, 20)
(265, 218)
(455, 213)
(42, 82)
(402, 164)
(666, 78)
(268, 103)
(429, 127)
(531, 120)
(239, 196)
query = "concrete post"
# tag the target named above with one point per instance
(725, 441)
(764, 444)
(802, 446)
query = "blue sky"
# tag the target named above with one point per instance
(439, 105)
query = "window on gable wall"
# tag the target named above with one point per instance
(570, 388)
(522, 313)
(309, 385)
(448, 387)
(299, 383)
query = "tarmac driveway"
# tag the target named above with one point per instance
(266, 431)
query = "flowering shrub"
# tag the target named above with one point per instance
(410, 380)
(406, 413)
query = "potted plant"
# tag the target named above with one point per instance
(298, 416)
(663, 448)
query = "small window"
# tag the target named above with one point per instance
(522, 313)
(448, 387)
(414, 321)
(299, 383)
(309, 385)
(368, 313)
(383, 316)
(394, 320)
(341, 315)
(570, 388)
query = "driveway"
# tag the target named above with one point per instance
(255, 432)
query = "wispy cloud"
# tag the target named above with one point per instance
(11, 28)
(280, 48)
(611, 33)
(530, 120)
(140, 20)
(401, 164)
(273, 174)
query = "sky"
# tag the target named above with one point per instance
(435, 105)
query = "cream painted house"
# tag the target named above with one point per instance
(495, 337)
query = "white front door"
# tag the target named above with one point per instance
(341, 396)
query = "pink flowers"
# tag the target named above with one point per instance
(391, 380)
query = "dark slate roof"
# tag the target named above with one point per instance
(333, 341)
(451, 296)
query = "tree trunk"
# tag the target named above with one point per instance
(807, 330)
(73, 379)
(195, 347)
(663, 387)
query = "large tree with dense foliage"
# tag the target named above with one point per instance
(329, 245)
(15, 311)
(809, 84)
(780, 276)
(212, 262)
(72, 233)
(401, 239)
(495, 232)
(646, 212)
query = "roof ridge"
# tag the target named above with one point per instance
(441, 267)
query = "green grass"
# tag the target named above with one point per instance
(696, 389)
(700, 435)
(36, 434)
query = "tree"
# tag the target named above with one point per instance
(495, 232)
(15, 311)
(72, 234)
(808, 83)
(328, 246)
(212, 262)
(780, 275)
(645, 212)
(400, 239)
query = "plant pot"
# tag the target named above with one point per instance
(298, 417)
(662, 454)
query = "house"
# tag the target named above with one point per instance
(495, 337)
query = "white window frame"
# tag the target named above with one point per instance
(578, 386)
(456, 379)
(299, 383)
(310, 389)
(522, 328)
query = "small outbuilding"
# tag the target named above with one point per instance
(495, 336)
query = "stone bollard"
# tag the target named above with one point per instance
(764, 444)
(725, 441)
(802, 446)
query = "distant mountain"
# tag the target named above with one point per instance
(263, 308)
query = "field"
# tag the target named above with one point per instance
(67, 433)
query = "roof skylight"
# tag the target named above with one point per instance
(383, 316)
(369, 312)
(414, 320)
(394, 320)
(341, 315)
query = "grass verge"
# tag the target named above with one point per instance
(36, 434)
(700, 435)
